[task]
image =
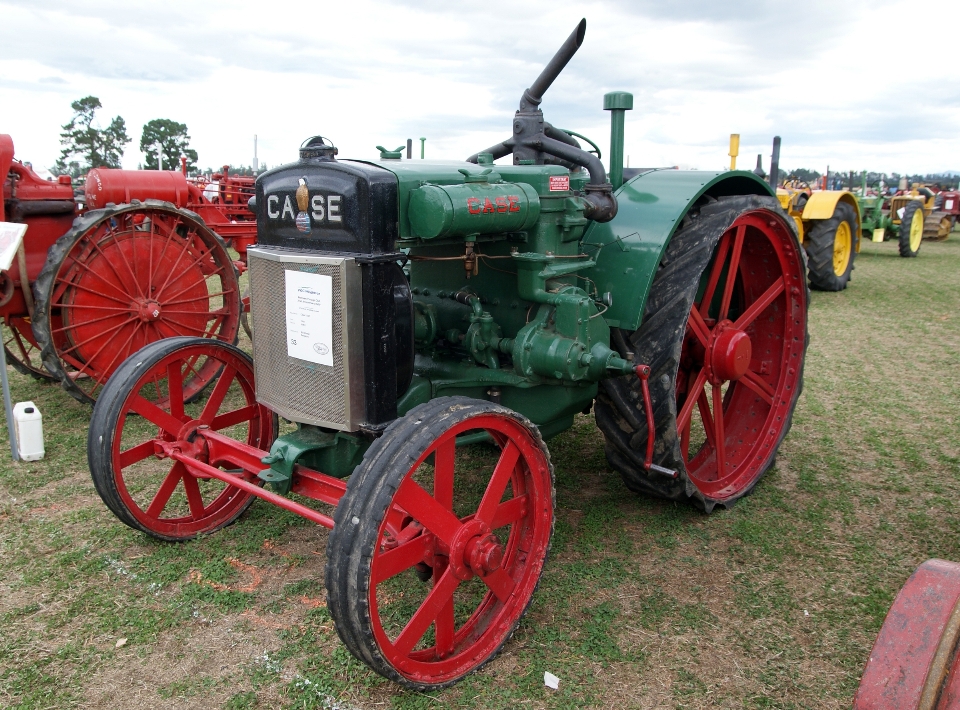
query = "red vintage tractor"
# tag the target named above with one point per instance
(146, 258)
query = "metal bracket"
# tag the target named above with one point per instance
(285, 453)
(643, 372)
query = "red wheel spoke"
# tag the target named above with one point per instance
(425, 509)
(445, 627)
(498, 482)
(219, 392)
(58, 294)
(244, 414)
(443, 465)
(183, 271)
(106, 341)
(176, 264)
(109, 262)
(510, 512)
(438, 597)
(403, 557)
(718, 261)
(698, 326)
(756, 383)
(719, 440)
(105, 371)
(732, 272)
(501, 584)
(693, 394)
(703, 404)
(760, 305)
(136, 453)
(218, 270)
(153, 413)
(169, 485)
(126, 263)
(175, 389)
(86, 307)
(194, 499)
(204, 297)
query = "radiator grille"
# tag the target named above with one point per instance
(299, 390)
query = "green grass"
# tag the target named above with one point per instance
(773, 604)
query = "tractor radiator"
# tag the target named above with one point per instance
(307, 336)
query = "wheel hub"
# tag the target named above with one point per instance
(147, 308)
(475, 551)
(728, 354)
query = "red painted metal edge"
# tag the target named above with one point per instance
(910, 664)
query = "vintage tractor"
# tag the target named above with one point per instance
(427, 326)
(144, 261)
(941, 218)
(884, 218)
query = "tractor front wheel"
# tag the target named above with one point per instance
(830, 246)
(724, 332)
(435, 553)
(142, 415)
(127, 276)
(911, 228)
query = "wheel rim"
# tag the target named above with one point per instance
(137, 277)
(20, 345)
(842, 248)
(741, 357)
(484, 559)
(916, 230)
(164, 498)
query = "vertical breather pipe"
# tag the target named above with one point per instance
(617, 103)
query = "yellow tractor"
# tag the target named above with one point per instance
(828, 223)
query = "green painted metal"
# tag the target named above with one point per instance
(332, 452)
(617, 103)
(628, 249)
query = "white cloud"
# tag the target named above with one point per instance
(824, 76)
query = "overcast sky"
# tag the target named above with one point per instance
(853, 85)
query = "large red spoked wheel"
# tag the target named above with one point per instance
(125, 277)
(22, 350)
(142, 409)
(436, 552)
(914, 665)
(732, 290)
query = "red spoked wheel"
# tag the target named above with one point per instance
(436, 552)
(142, 414)
(732, 288)
(22, 349)
(125, 277)
(740, 367)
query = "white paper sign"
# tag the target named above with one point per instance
(310, 316)
(10, 237)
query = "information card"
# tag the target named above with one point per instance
(310, 316)
(10, 237)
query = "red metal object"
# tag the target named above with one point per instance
(914, 664)
(950, 202)
(494, 579)
(221, 204)
(48, 209)
(740, 360)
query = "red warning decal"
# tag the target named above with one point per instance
(559, 183)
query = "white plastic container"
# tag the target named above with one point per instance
(29, 425)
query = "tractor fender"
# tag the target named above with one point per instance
(822, 204)
(652, 205)
(6, 158)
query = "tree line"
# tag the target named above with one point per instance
(87, 145)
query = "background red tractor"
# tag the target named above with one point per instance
(144, 258)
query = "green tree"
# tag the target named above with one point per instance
(174, 142)
(86, 145)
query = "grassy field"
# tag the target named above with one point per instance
(643, 604)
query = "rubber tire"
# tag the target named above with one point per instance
(659, 342)
(103, 426)
(819, 244)
(905, 221)
(359, 513)
(44, 285)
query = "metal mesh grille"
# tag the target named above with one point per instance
(302, 391)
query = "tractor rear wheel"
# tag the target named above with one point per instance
(434, 556)
(22, 351)
(127, 276)
(724, 332)
(830, 246)
(142, 410)
(911, 228)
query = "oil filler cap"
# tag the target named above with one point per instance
(317, 148)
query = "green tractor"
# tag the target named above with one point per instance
(428, 326)
(901, 218)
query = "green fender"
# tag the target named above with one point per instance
(628, 249)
